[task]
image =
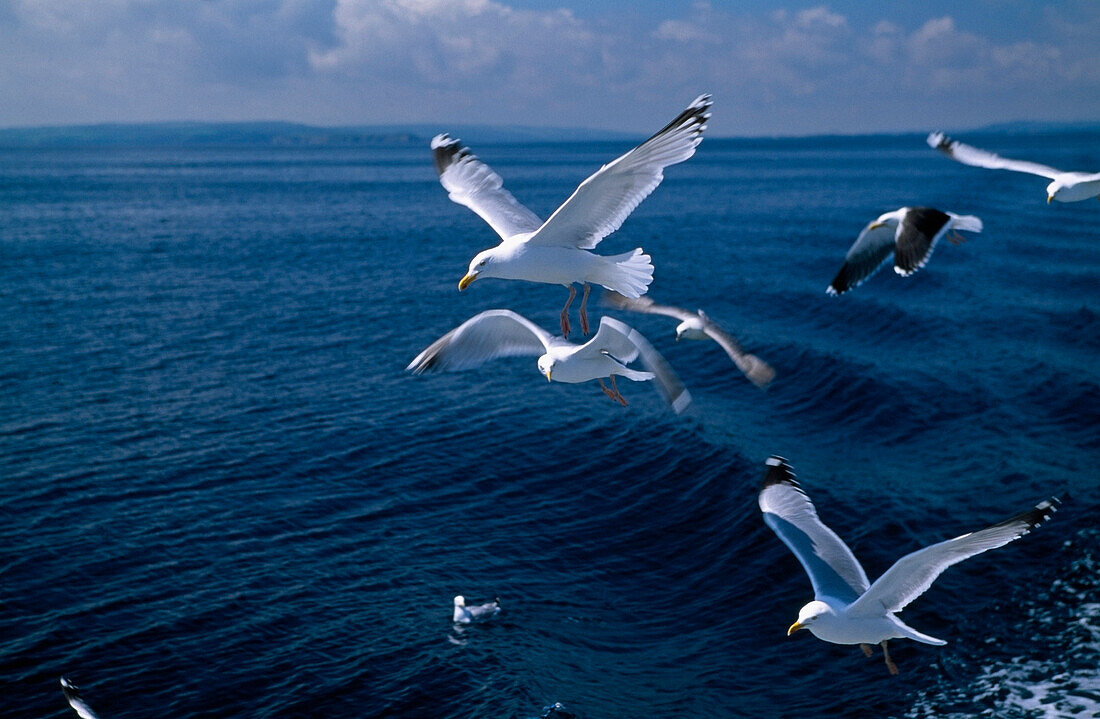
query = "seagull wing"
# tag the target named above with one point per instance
(969, 155)
(665, 378)
(486, 336)
(917, 234)
(472, 183)
(72, 695)
(600, 204)
(645, 305)
(833, 569)
(914, 573)
(757, 370)
(869, 252)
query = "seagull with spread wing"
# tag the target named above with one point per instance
(909, 234)
(557, 251)
(697, 326)
(847, 609)
(1064, 186)
(504, 333)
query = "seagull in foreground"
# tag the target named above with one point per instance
(846, 608)
(556, 251)
(72, 693)
(909, 234)
(468, 614)
(697, 326)
(1064, 186)
(503, 333)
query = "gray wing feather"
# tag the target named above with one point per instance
(759, 372)
(976, 157)
(486, 336)
(913, 574)
(473, 184)
(602, 202)
(645, 305)
(866, 256)
(833, 569)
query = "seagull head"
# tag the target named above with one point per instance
(810, 614)
(460, 601)
(482, 264)
(1054, 191)
(888, 219)
(690, 329)
(546, 367)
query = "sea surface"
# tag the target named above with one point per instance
(222, 495)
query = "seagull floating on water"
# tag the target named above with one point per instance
(909, 234)
(465, 614)
(504, 333)
(72, 694)
(847, 609)
(556, 251)
(1064, 186)
(697, 326)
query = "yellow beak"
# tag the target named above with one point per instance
(794, 628)
(1049, 198)
(547, 373)
(877, 225)
(465, 281)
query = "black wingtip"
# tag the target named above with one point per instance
(1033, 517)
(778, 471)
(72, 691)
(446, 151)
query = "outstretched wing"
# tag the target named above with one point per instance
(72, 695)
(918, 232)
(759, 372)
(665, 378)
(833, 569)
(913, 574)
(486, 336)
(970, 155)
(869, 252)
(644, 305)
(601, 203)
(472, 183)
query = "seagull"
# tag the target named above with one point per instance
(72, 693)
(1064, 186)
(909, 233)
(847, 609)
(697, 326)
(504, 333)
(479, 612)
(557, 251)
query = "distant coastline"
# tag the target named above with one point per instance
(288, 134)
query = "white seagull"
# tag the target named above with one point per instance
(1064, 186)
(465, 614)
(697, 326)
(909, 234)
(556, 251)
(72, 694)
(503, 333)
(847, 609)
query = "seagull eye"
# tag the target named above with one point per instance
(482, 263)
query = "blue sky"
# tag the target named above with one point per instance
(774, 68)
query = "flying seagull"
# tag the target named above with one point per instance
(557, 251)
(697, 326)
(503, 333)
(72, 694)
(1064, 186)
(847, 609)
(466, 614)
(909, 234)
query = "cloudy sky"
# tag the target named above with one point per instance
(774, 68)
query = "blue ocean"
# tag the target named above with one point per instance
(222, 495)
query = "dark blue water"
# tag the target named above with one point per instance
(222, 496)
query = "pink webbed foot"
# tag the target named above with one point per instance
(893, 668)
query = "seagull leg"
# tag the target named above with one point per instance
(889, 663)
(584, 310)
(956, 239)
(606, 391)
(565, 312)
(618, 394)
(866, 650)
